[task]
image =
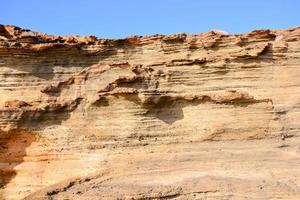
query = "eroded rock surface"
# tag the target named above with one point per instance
(207, 116)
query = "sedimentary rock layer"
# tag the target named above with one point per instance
(180, 116)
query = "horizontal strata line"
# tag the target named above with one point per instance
(13, 73)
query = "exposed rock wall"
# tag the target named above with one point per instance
(181, 116)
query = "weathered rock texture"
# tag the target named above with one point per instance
(207, 116)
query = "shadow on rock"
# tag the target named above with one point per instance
(12, 152)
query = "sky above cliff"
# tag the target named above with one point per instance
(120, 18)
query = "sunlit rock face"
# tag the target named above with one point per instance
(207, 116)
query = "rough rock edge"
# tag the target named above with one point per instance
(16, 37)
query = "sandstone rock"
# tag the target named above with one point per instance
(156, 117)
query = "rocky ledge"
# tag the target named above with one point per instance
(206, 116)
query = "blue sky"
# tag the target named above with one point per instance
(121, 18)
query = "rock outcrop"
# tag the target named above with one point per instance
(207, 116)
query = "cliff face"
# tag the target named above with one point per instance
(182, 116)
